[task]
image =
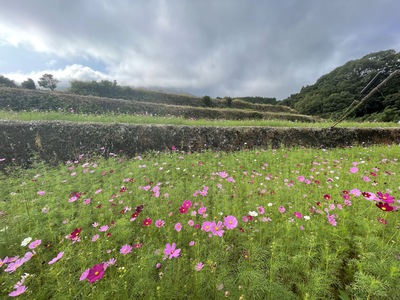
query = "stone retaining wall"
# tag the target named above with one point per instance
(56, 142)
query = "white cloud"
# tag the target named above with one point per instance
(65, 75)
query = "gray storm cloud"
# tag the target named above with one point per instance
(219, 48)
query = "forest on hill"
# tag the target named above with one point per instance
(334, 93)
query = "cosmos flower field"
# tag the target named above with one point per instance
(254, 224)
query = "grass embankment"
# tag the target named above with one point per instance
(143, 119)
(266, 224)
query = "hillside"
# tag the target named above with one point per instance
(17, 99)
(335, 92)
(108, 89)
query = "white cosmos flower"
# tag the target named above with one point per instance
(26, 241)
(253, 213)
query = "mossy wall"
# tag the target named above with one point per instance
(57, 142)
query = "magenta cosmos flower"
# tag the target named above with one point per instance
(230, 222)
(95, 273)
(187, 204)
(171, 251)
(297, 215)
(385, 197)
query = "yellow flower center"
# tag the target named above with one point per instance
(96, 273)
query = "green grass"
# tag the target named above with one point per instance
(143, 119)
(268, 255)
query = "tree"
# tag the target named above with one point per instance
(47, 81)
(4, 81)
(207, 101)
(28, 84)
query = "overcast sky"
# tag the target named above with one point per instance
(220, 48)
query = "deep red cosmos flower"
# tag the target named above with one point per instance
(75, 234)
(147, 222)
(385, 206)
(183, 209)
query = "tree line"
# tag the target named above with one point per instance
(47, 81)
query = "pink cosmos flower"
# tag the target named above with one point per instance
(281, 209)
(20, 290)
(171, 251)
(206, 226)
(41, 193)
(216, 228)
(355, 192)
(111, 262)
(3, 261)
(199, 266)
(84, 275)
(29, 255)
(103, 228)
(191, 223)
(59, 255)
(95, 273)
(301, 178)
(223, 174)
(14, 265)
(191, 243)
(95, 237)
(73, 199)
(230, 222)
(369, 196)
(34, 244)
(178, 227)
(159, 223)
(331, 219)
(125, 249)
(261, 210)
(202, 210)
(353, 170)
(245, 219)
